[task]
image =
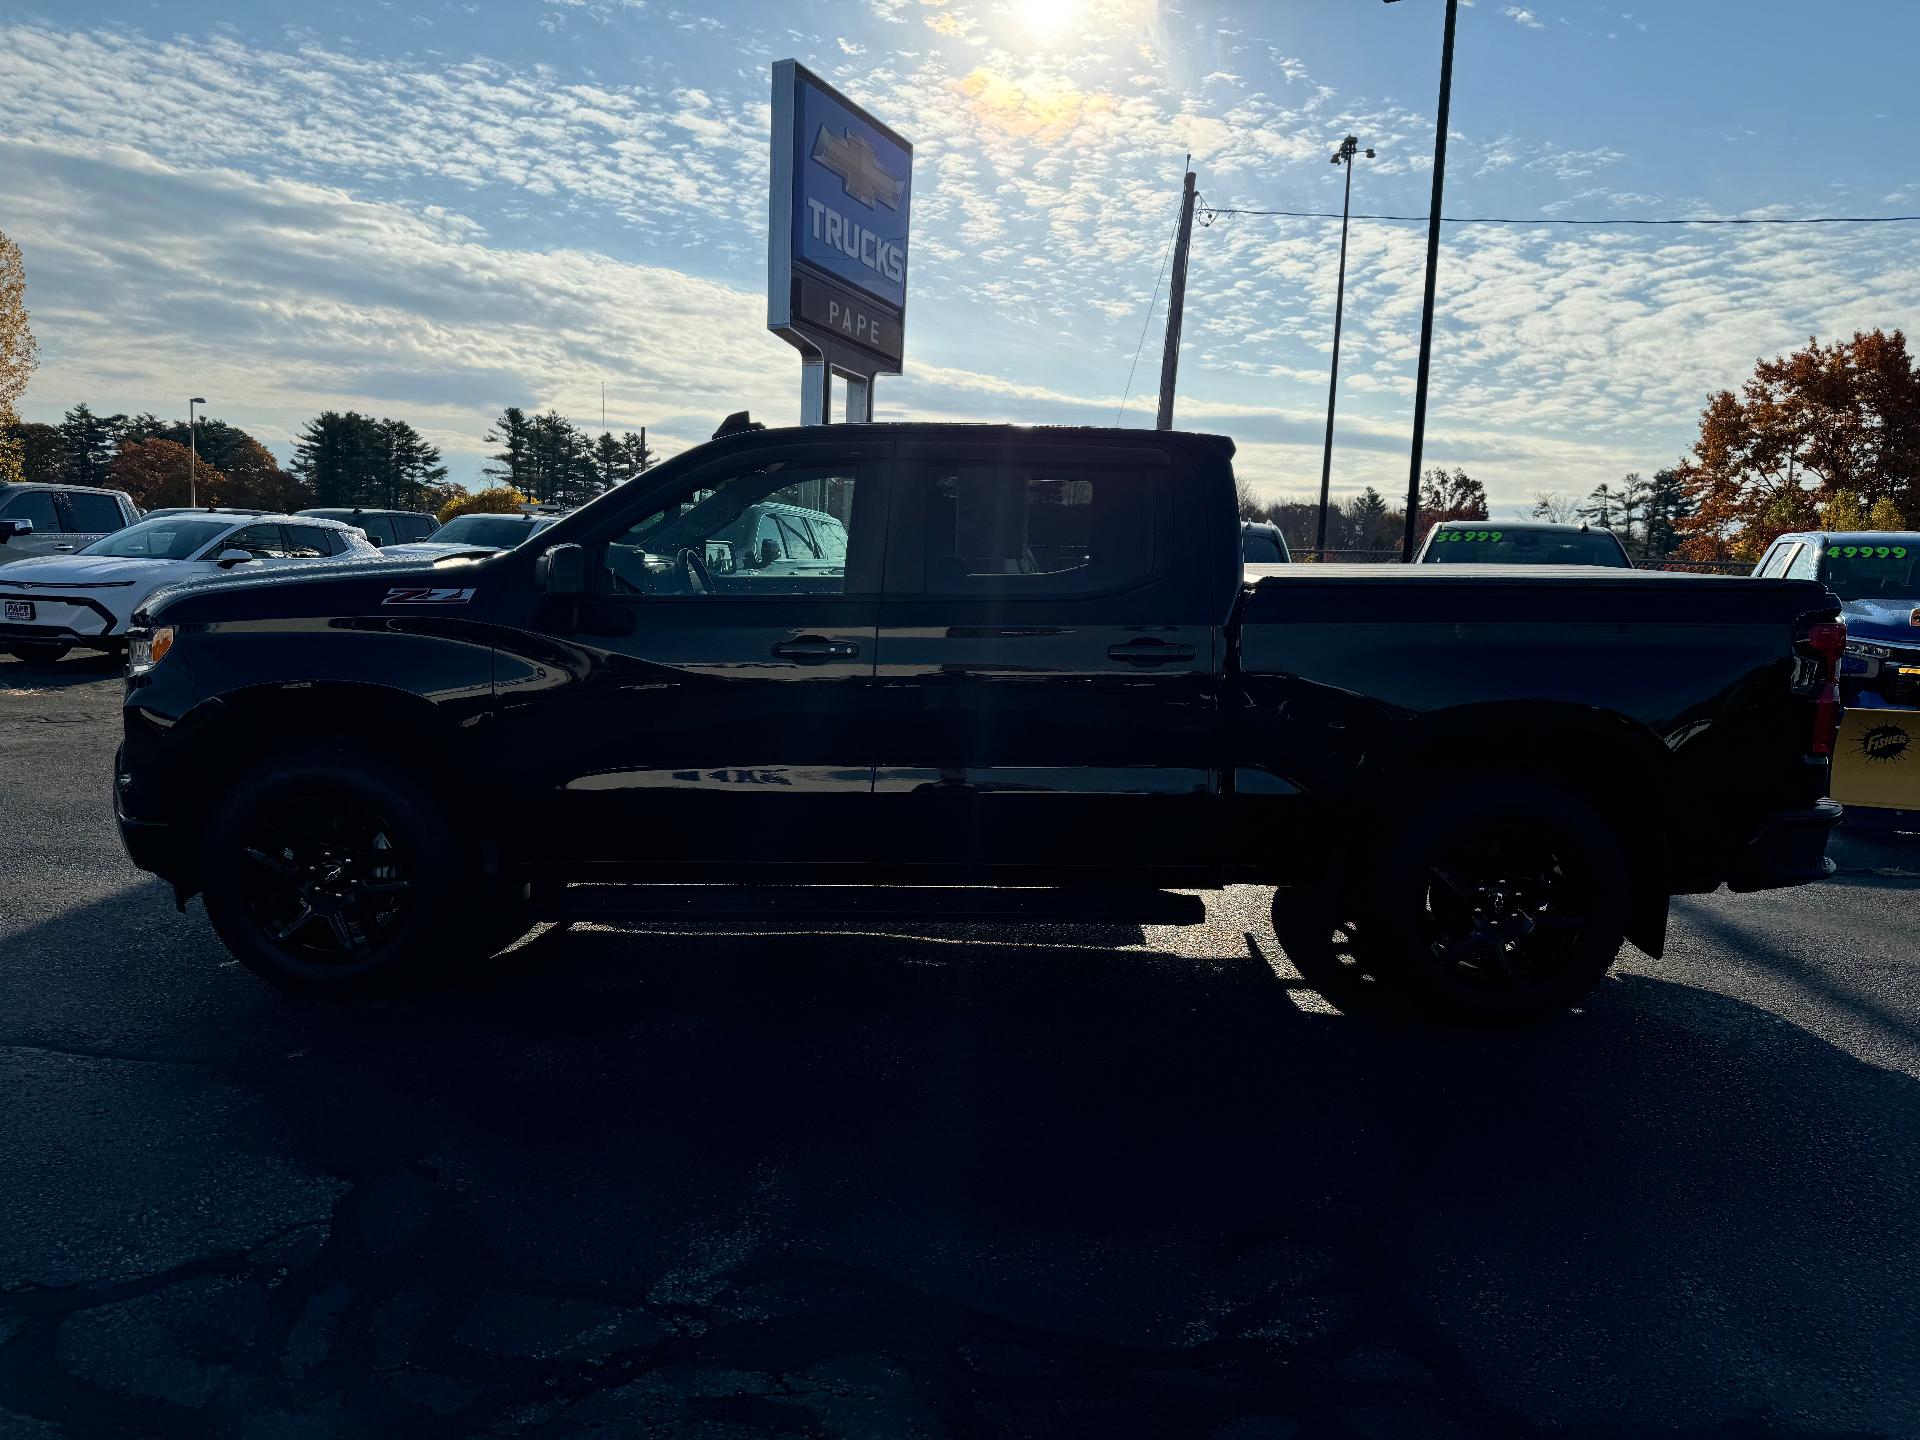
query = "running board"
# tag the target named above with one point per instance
(807, 905)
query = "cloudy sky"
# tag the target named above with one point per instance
(435, 208)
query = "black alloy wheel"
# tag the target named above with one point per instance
(1502, 900)
(325, 878)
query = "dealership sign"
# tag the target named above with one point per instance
(837, 243)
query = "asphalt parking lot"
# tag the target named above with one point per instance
(640, 1182)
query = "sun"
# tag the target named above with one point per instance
(1047, 19)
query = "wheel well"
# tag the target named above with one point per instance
(254, 724)
(1614, 764)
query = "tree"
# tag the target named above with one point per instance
(639, 455)
(494, 500)
(1843, 511)
(1844, 416)
(1602, 506)
(39, 451)
(511, 464)
(406, 468)
(1251, 506)
(1885, 515)
(1450, 496)
(1367, 527)
(254, 477)
(19, 354)
(1555, 506)
(90, 441)
(1662, 508)
(154, 473)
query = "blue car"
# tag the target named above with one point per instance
(1877, 575)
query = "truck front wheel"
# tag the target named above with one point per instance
(335, 872)
(1502, 900)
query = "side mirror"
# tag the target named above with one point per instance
(227, 559)
(11, 528)
(769, 552)
(561, 570)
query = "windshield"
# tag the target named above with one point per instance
(1885, 569)
(1505, 546)
(167, 538)
(501, 531)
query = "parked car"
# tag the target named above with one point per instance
(382, 527)
(55, 603)
(476, 534)
(38, 519)
(1263, 544)
(1521, 542)
(1038, 665)
(1876, 574)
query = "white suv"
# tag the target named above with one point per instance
(51, 604)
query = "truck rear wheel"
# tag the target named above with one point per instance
(1504, 900)
(336, 873)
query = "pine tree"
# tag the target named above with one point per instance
(511, 464)
(639, 456)
(89, 441)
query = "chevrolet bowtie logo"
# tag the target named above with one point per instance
(852, 159)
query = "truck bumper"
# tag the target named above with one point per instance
(1791, 849)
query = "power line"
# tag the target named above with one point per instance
(1213, 214)
(1152, 300)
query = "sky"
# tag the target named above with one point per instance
(433, 209)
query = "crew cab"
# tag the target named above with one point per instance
(1522, 542)
(1039, 682)
(40, 519)
(1876, 574)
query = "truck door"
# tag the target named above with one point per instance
(708, 704)
(1047, 663)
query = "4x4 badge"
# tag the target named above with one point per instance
(428, 595)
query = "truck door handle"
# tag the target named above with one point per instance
(813, 650)
(1149, 652)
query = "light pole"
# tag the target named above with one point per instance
(193, 453)
(1433, 269)
(1344, 155)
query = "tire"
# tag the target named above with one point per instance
(38, 652)
(337, 873)
(1498, 901)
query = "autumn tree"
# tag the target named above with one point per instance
(254, 477)
(154, 473)
(1450, 495)
(1844, 416)
(494, 500)
(1885, 515)
(19, 355)
(1842, 512)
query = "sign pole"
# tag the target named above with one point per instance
(816, 390)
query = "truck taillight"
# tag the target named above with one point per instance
(1826, 641)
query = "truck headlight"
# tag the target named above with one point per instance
(148, 650)
(1867, 650)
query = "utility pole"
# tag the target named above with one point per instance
(1176, 308)
(193, 454)
(1345, 155)
(1433, 270)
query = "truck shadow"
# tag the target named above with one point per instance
(897, 1184)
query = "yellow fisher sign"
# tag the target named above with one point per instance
(1876, 761)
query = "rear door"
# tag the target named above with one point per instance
(1046, 661)
(39, 508)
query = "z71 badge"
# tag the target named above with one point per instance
(428, 595)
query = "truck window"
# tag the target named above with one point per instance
(310, 542)
(752, 532)
(1776, 562)
(1874, 567)
(1038, 530)
(1805, 564)
(34, 505)
(94, 514)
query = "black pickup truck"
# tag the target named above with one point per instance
(969, 659)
